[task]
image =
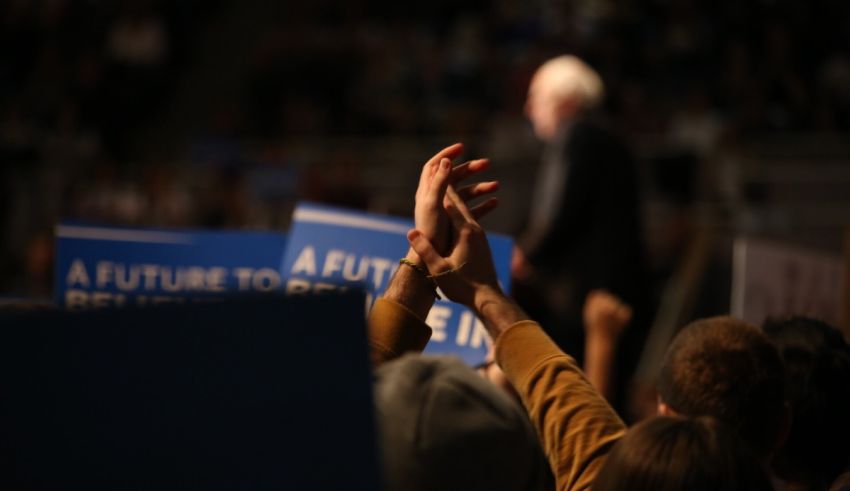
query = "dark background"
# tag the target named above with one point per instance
(225, 113)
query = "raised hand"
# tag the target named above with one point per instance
(409, 286)
(467, 266)
(605, 314)
(605, 317)
(437, 174)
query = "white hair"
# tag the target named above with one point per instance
(570, 78)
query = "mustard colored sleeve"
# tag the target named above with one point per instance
(576, 425)
(394, 330)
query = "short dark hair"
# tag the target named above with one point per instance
(727, 368)
(673, 453)
(817, 367)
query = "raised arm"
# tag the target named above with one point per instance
(576, 425)
(605, 317)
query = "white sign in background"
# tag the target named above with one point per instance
(771, 279)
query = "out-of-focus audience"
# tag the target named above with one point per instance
(84, 83)
(817, 369)
(78, 80)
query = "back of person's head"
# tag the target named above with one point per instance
(726, 368)
(676, 453)
(441, 426)
(568, 77)
(817, 366)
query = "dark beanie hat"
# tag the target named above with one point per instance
(443, 427)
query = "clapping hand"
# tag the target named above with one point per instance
(437, 175)
(466, 266)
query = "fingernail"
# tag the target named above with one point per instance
(446, 163)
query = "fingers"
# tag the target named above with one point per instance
(459, 204)
(430, 167)
(451, 206)
(470, 168)
(450, 152)
(473, 191)
(441, 181)
(433, 261)
(484, 208)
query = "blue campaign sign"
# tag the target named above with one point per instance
(100, 267)
(331, 248)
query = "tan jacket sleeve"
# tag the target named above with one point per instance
(576, 425)
(394, 330)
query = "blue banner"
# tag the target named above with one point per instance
(99, 267)
(331, 248)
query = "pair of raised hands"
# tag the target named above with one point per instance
(449, 241)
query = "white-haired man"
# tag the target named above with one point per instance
(583, 232)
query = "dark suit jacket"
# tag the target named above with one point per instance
(595, 238)
(595, 241)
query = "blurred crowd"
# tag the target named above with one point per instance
(81, 80)
(334, 101)
(441, 67)
(77, 79)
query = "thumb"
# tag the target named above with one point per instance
(433, 261)
(444, 171)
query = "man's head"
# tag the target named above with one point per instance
(442, 426)
(562, 87)
(728, 369)
(817, 366)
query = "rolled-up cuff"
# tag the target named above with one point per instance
(395, 330)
